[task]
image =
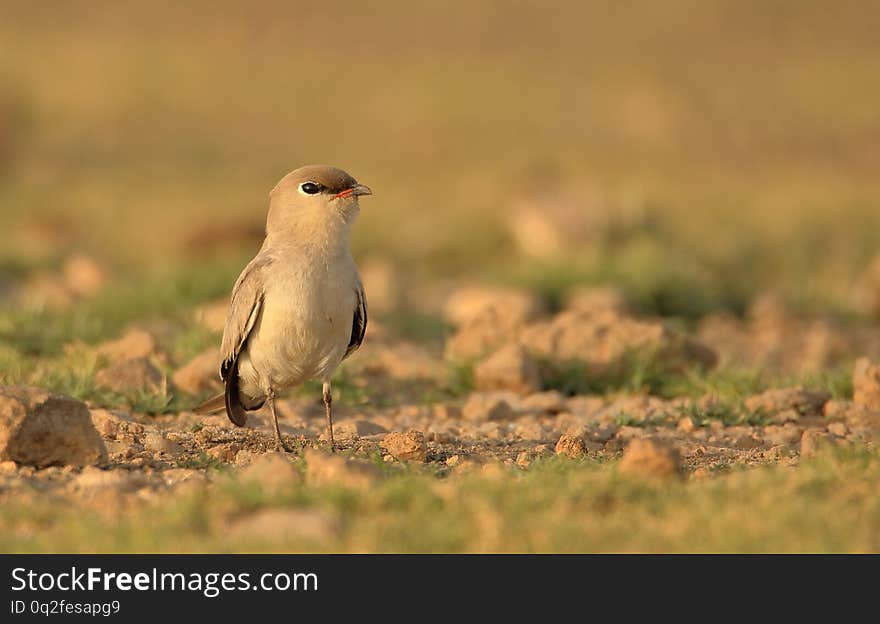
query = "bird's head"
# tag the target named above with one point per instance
(314, 196)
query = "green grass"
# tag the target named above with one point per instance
(828, 504)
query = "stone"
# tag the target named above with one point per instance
(607, 344)
(510, 305)
(130, 376)
(111, 424)
(775, 435)
(40, 429)
(408, 446)
(646, 457)
(866, 384)
(838, 428)
(200, 374)
(445, 411)
(814, 440)
(571, 446)
(135, 343)
(686, 424)
(803, 402)
(225, 453)
(155, 442)
(400, 359)
(549, 402)
(509, 368)
(481, 335)
(486, 406)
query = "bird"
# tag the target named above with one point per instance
(298, 309)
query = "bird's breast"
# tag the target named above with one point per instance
(302, 332)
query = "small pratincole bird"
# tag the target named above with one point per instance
(298, 309)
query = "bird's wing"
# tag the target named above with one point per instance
(244, 310)
(358, 322)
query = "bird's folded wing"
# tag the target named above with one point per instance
(244, 310)
(358, 323)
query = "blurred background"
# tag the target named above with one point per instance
(694, 154)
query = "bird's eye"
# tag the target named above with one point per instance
(311, 188)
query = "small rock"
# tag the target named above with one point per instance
(471, 302)
(814, 440)
(8, 467)
(409, 446)
(837, 408)
(838, 428)
(130, 375)
(776, 435)
(155, 442)
(509, 368)
(607, 344)
(40, 429)
(645, 457)
(443, 411)
(110, 423)
(571, 446)
(481, 335)
(866, 384)
(199, 374)
(135, 343)
(486, 406)
(225, 453)
(686, 424)
(803, 402)
(785, 416)
(550, 402)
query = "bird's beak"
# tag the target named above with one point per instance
(357, 189)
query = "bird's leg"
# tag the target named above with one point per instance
(278, 441)
(328, 399)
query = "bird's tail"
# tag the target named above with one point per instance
(212, 405)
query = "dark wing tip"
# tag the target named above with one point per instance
(234, 409)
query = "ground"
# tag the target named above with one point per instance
(623, 268)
